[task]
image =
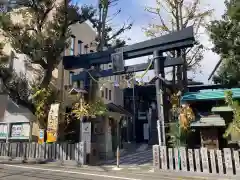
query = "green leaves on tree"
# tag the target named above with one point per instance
(225, 34)
(233, 128)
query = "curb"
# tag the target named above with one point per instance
(195, 175)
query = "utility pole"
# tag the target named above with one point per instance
(159, 71)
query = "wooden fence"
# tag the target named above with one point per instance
(57, 151)
(205, 160)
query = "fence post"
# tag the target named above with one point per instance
(197, 160)
(156, 157)
(213, 161)
(220, 161)
(204, 157)
(163, 155)
(228, 160)
(236, 161)
(81, 153)
(177, 160)
(190, 159)
(183, 156)
(170, 158)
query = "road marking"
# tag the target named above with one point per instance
(70, 172)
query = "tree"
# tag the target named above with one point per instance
(233, 128)
(106, 35)
(225, 34)
(172, 15)
(44, 33)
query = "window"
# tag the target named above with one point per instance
(110, 95)
(72, 48)
(79, 47)
(106, 93)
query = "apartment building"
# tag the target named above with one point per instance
(110, 90)
(80, 43)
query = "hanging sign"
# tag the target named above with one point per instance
(52, 127)
(41, 136)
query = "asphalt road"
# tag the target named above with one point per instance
(23, 172)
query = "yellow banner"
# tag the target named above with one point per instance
(52, 127)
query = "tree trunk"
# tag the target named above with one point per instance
(46, 78)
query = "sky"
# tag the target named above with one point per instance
(134, 10)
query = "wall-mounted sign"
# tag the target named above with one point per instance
(52, 127)
(20, 130)
(3, 130)
(86, 135)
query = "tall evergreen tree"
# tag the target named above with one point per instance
(45, 30)
(225, 35)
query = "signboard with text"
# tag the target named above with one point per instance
(52, 128)
(86, 135)
(20, 131)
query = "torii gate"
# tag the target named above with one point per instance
(156, 47)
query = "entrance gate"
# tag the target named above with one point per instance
(174, 41)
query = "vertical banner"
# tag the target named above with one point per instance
(52, 128)
(86, 135)
(41, 136)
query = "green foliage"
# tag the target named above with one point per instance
(225, 34)
(234, 126)
(44, 33)
(42, 99)
(16, 86)
(177, 135)
(97, 108)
